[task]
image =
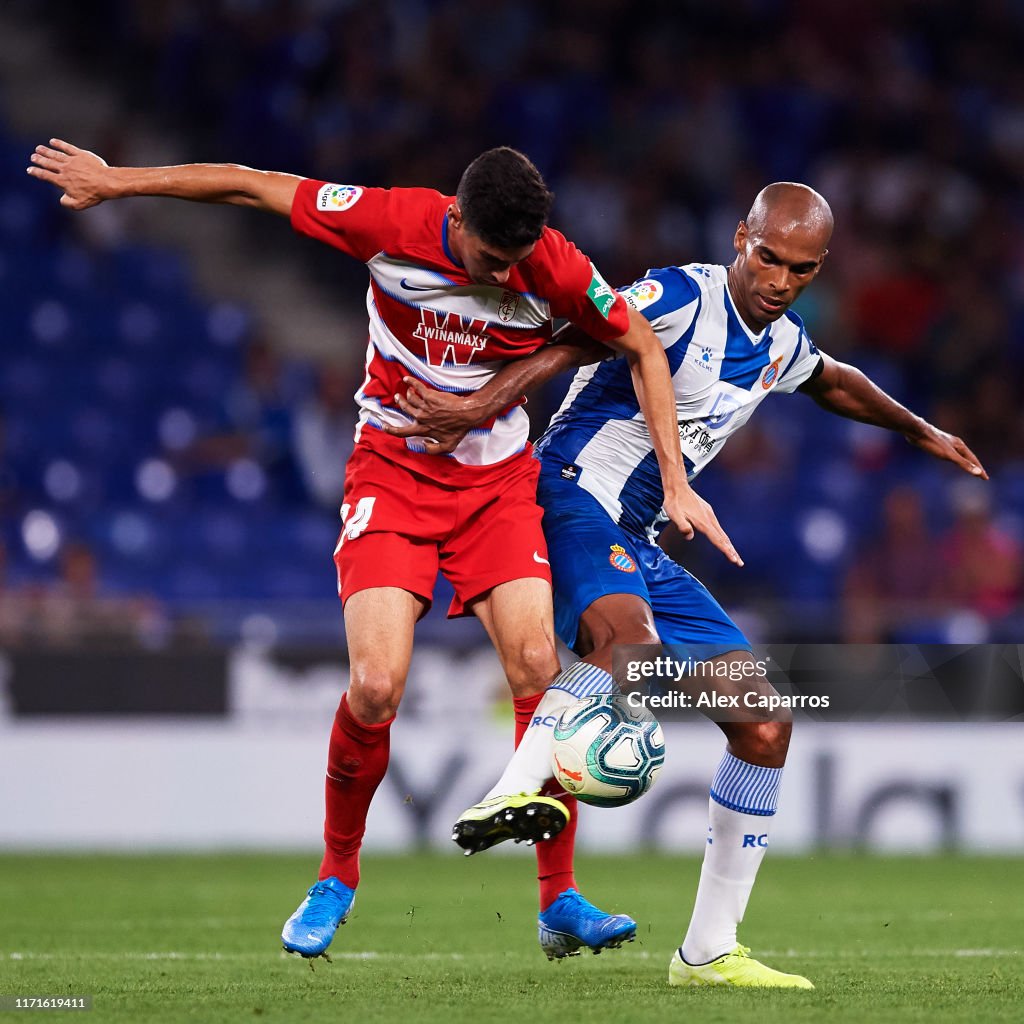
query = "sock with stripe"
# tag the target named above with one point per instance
(357, 759)
(743, 801)
(530, 767)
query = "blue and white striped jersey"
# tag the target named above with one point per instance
(721, 371)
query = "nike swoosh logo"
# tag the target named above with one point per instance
(539, 560)
(412, 288)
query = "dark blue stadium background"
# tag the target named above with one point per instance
(655, 124)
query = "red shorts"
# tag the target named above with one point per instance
(400, 527)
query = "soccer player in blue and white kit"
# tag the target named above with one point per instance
(731, 341)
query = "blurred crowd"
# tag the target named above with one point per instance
(656, 125)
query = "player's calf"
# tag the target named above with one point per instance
(761, 743)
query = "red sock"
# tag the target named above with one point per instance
(554, 857)
(356, 762)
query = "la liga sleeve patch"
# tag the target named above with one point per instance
(644, 293)
(337, 198)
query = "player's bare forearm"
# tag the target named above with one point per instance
(649, 370)
(86, 180)
(655, 394)
(445, 418)
(569, 349)
(846, 391)
(234, 184)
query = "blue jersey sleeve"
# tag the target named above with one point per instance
(662, 291)
(802, 363)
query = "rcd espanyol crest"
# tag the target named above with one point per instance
(620, 559)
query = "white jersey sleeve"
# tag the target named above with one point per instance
(804, 362)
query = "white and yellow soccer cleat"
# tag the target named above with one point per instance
(523, 817)
(736, 968)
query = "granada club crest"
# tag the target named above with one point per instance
(771, 374)
(508, 306)
(620, 560)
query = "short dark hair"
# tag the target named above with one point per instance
(503, 198)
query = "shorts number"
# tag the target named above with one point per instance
(360, 519)
(352, 528)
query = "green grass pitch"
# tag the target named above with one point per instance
(443, 938)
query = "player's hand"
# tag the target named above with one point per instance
(949, 447)
(82, 175)
(691, 513)
(440, 418)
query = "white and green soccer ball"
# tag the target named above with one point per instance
(607, 752)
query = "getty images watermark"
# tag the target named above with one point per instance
(830, 682)
(697, 684)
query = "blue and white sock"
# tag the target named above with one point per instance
(530, 766)
(743, 802)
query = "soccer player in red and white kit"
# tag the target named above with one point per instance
(459, 285)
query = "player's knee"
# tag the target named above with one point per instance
(374, 696)
(604, 634)
(532, 669)
(768, 742)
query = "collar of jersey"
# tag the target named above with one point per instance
(444, 242)
(754, 338)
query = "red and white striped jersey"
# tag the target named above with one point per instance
(430, 321)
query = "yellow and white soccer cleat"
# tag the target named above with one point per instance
(736, 968)
(522, 817)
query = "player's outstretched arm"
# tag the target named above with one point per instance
(86, 180)
(846, 391)
(444, 419)
(652, 382)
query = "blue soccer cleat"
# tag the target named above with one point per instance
(310, 929)
(572, 922)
